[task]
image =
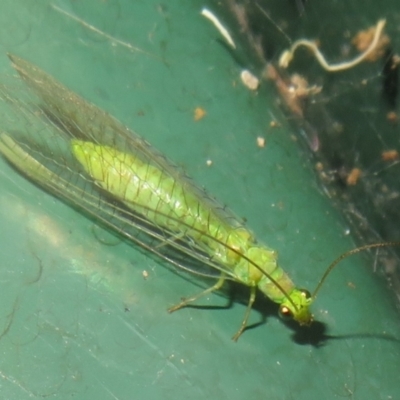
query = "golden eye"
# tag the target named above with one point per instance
(305, 293)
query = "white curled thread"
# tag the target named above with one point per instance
(222, 30)
(287, 55)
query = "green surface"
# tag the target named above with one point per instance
(78, 318)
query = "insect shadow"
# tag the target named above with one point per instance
(314, 335)
(317, 335)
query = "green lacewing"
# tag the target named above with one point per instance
(84, 156)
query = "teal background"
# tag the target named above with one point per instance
(77, 317)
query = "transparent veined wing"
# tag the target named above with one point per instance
(36, 137)
(84, 121)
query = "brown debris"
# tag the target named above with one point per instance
(390, 155)
(353, 176)
(364, 38)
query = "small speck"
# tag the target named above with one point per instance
(353, 176)
(351, 285)
(249, 80)
(391, 116)
(319, 166)
(199, 113)
(390, 155)
(260, 142)
(273, 124)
